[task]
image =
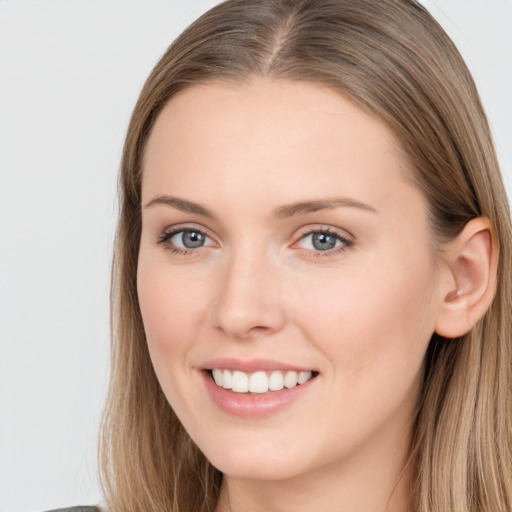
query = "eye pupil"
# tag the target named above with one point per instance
(323, 241)
(192, 239)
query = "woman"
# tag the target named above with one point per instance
(311, 282)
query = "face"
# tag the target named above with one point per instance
(286, 278)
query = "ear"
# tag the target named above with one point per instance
(472, 260)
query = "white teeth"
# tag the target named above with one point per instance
(227, 379)
(276, 381)
(290, 379)
(217, 377)
(260, 381)
(240, 382)
(304, 377)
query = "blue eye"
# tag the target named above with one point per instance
(324, 241)
(184, 240)
(188, 239)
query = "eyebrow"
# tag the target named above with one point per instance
(180, 204)
(305, 207)
(282, 212)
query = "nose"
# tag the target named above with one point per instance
(248, 302)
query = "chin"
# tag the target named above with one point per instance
(257, 463)
(256, 470)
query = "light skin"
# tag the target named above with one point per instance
(257, 168)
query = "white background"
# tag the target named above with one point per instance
(70, 72)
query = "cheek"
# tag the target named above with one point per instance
(376, 318)
(373, 329)
(170, 303)
(172, 313)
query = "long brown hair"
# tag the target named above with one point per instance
(392, 59)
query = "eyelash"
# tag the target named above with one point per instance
(167, 236)
(345, 242)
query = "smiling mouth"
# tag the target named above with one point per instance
(259, 382)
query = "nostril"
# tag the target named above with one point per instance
(241, 329)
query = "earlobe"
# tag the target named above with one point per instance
(472, 260)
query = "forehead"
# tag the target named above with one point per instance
(297, 110)
(256, 137)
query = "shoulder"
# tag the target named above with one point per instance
(77, 509)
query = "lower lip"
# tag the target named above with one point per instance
(256, 405)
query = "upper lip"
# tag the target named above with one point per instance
(251, 365)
